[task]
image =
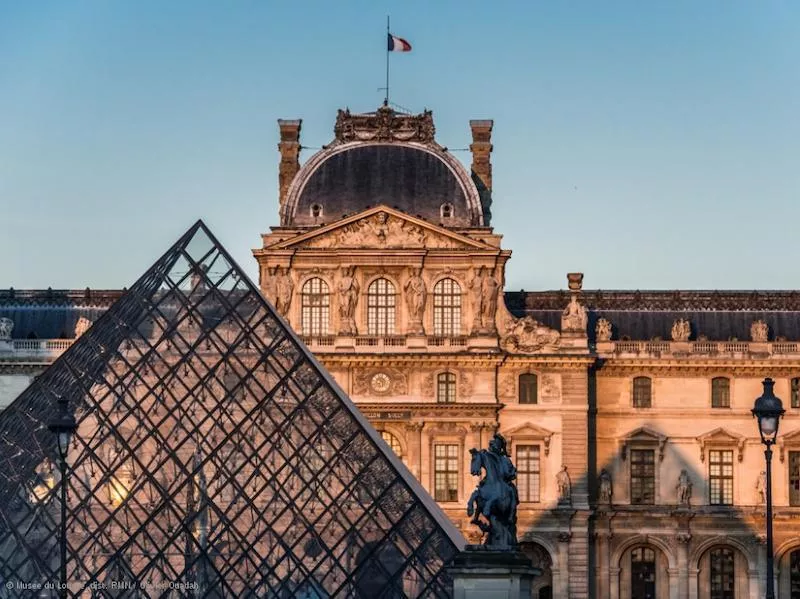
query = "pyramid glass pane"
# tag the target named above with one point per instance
(213, 457)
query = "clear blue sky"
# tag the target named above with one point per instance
(647, 144)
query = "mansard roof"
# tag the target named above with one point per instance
(384, 157)
(643, 315)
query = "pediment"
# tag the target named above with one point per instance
(381, 227)
(528, 430)
(721, 436)
(643, 435)
(790, 439)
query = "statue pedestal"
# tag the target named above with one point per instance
(486, 572)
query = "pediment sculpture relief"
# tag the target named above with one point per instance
(382, 230)
(526, 334)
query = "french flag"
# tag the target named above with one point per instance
(398, 44)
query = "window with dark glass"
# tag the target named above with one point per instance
(528, 469)
(794, 574)
(446, 387)
(393, 442)
(643, 476)
(794, 478)
(447, 308)
(795, 393)
(528, 388)
(643, 573)
(380, 308)
(722, 574)
(445, 484)
(720, 477)
(720, 392)
(315, 307)
(642, 392)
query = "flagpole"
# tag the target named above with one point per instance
(386, 99)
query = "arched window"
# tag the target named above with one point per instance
(380, 308)
(722, 573)
(642, 392)
(720, 392)
(315, 303)
(447, 308)
(528, 388)
(393, 442)
(794, 574)
(643, 573)
(446, 387)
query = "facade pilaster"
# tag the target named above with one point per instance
(683, 538)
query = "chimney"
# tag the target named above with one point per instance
(481, 149)
(289, 147)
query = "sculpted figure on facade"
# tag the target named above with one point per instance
(82, 326)
(761, 487)
(574, 318)
(269, 284)
(348, 289)
(284, 287)
(527, 335)
(759, 331)
(564, 486)
(684, 488)
(6, 326)
(603, 330)
(681, 330)
(416, 295)
(483, 292)
(605, 490)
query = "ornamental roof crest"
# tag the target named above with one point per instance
(384, 125)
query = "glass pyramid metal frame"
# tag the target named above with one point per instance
(213, 457)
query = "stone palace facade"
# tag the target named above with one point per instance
(627, 413)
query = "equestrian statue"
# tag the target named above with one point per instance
(495, 498)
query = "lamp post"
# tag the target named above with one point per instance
(768, 409)
(63, 426)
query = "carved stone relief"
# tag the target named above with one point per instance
(6, 326)
(464, 385)
(380, 381)
(384, 125)
(508, 385)
(603, 330)
(574, 318)
(551, 387)
(759, 331)
(82, 326)
(483, 290)
(382, 230)
(681, 330)
(526, 335)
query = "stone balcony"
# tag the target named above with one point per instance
(708, 349)
(397, 344)
(37, 350)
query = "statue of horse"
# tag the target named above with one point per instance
(495, 497)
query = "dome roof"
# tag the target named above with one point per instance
(383, 158)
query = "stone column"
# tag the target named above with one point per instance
(603, 564)
(562, 586)
(414, 441)
(683, 564)
(614, 582)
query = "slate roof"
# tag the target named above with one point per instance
(643, 315)
(406, 178)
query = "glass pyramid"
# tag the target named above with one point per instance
(213, 458)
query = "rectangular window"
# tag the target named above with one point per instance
(642, 391)
(528, 472)
(643, 477)
(528, 388)
(795, 395)
(720, 477)
(445, 484)
(720, 393)
(794, 478)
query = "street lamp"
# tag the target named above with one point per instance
(63, 426)
(768, 410)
